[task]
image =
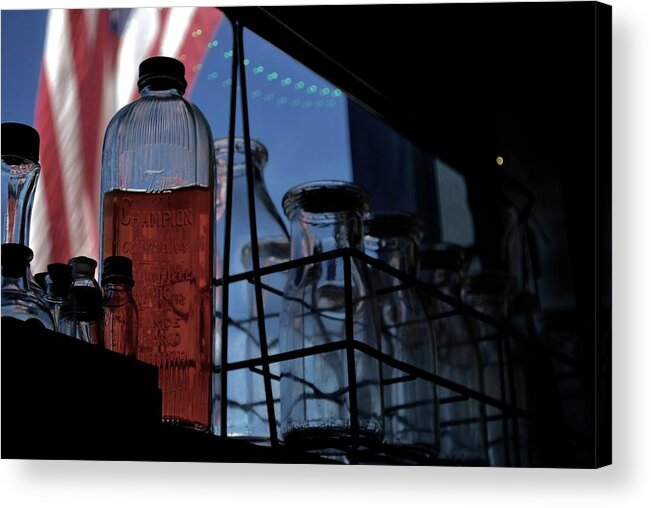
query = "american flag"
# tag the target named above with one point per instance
(89, 71)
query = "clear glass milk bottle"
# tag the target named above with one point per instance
(315, 395)
(157, 195)
(463, 419)
(410, 404)
(247, 410)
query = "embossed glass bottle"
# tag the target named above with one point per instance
(315, 391)
(410, 405)
(158, 210)
(247, 409)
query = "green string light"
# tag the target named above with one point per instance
(286, 82)
(271, 76)
(258, 69)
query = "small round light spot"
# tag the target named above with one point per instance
(325, 91)
(271, 76)
(312, 89)
(269, 97)
(499, 160)
(246, 61)
(299, 85)
(199, 32)
(258, 69)
(336, 92)
(286, 82)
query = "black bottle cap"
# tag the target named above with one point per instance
(20, 139)
(81, 265)
(161, 73)
(117, 268)
(15, 259)
(59, 278)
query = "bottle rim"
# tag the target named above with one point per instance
(326, 196)
(259, 153)
(388, 223)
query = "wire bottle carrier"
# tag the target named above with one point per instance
(543, 428)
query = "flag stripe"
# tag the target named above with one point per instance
(141, 32)
(193, 50)
(89, 71)
(65, 110)
(177, 28)
(50, 180)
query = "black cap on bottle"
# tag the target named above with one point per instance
(15, 259)
(20, 139)
(117, 268)
(59, 278)
(161, 73)
(82, 265)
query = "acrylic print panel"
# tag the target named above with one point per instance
(478, 119)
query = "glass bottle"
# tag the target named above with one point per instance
(247, 411)
(84, 320)
(410, 405)
(490, 292)
(20, 172)
(463, 420)
(18, 301)
(39, 278)
(58, 296)
(158, 209)
(314, 389)
(83, 272)
(120, 311)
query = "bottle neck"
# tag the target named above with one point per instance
(117, 286)
(14, 283)
(19, 179)
(152, 91)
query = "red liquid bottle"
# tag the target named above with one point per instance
(157, 181)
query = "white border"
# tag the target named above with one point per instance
(99, 484)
